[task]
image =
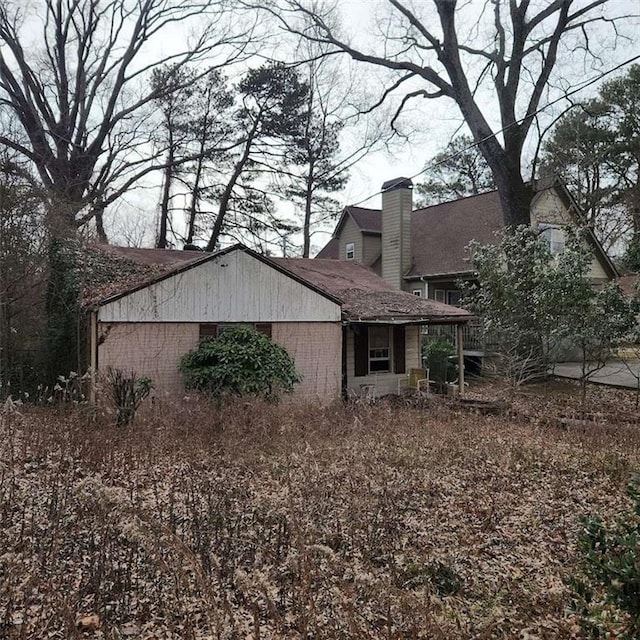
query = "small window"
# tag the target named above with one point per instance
(223, 327)
(208, 330)
(440, 295)
(350, 252)
(417, 292)
(555, 236)
(453, 298)
(261, 327)
(379, 349)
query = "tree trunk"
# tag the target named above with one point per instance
(99, 215)
(195, 198)
(63, 296)
(515, 198)
(306, 227)
(228, 191)
(161, 242)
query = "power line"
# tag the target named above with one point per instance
(564, 96)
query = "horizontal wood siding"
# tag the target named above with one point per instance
(547, 207)
(372, 248)
(235, 287)
(351, 233)
(396, 235)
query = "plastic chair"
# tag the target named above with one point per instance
(416, 380)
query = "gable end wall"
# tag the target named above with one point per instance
(234, 287)
(547, 207)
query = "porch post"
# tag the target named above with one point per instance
(93, 355)
(460, 359)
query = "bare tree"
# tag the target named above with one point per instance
(21, 274)
(78, 90)
(493, 60)
(81, 97)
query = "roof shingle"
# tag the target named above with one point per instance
(366, 296)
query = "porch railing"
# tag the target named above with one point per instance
(473, 338)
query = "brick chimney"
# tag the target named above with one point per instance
(397, 204)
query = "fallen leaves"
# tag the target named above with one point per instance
(305, 522)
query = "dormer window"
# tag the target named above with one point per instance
(350, 250)
(554, 235)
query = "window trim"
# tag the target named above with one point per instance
(440, 295)
(388, 348)
(350, 248)
(417, 292)
(561, 243)
(458, 292)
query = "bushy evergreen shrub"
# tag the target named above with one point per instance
(240, 362)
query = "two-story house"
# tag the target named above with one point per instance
(424, 251)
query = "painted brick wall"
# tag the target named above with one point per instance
(150, 349)
(155, 349)
(316, 348)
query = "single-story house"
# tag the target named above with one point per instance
(424, 251)
(344, 326)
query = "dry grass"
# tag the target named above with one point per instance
(280, 522)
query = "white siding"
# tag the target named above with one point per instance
(235, 287)
(547, 207)
(385, 382)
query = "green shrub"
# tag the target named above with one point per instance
(610, 586)
(240, 362)
(436, 355)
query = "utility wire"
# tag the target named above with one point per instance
(564, 96)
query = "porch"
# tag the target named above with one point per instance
(473, 336)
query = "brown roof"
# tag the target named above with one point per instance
(366, 219)
(167, 257)
(106, 270)
(441, 233)
(365, 296)
(330, 251)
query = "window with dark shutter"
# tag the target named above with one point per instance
(399, 349)
(361, 350)
(209, 330)
(264, 328)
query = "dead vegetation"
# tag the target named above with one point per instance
(257, 521)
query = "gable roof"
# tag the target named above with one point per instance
(366, 297)
(330, 251)
(440, 233)
(362, 295)
(367, 220)
(167, 263)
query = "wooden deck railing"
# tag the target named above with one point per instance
(473, 338)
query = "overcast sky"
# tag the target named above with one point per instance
(431, 123)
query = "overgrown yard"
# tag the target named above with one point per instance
(276, 522)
